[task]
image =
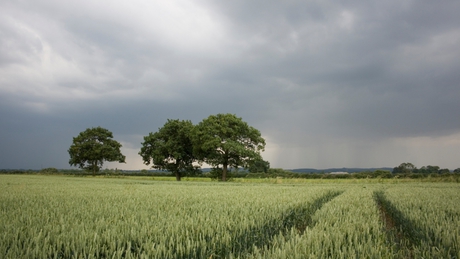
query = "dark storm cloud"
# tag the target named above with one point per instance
(389, 60)
(328, 83)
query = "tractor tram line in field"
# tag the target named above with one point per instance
(400, 231)
(420, 224)
(298, 218)
(262, 237)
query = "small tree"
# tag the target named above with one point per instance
(227, 140)
(92, 147)
(170, 148)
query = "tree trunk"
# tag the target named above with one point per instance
(94, 168)
(224, 172)
(177, 176)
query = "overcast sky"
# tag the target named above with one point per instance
(328, 83)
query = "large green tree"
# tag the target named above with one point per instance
(170, 148)
(92, 147)
(225, 139)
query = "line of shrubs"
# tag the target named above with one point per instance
(271, 173)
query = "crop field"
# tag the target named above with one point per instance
(86, 217)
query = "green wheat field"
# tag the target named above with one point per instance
(90, 217)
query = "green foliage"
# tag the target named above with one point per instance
(382, 174)
(404, 168)
(216, 174)
(259, 166)
(49, 170)
(369, 174)
(278, 171)
(6, 171)
(171, 148)
(92, 147)
(410, 169)
(428, 169)
(227, 140)
(444, 171)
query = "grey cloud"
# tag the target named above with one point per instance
(310, 75)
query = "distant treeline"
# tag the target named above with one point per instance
(239, 173)
(79, 172)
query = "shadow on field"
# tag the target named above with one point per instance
(261, 237)
(406, 236)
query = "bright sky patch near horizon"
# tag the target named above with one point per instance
(328, 83)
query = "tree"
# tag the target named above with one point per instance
(444, 171)
(227, 140)
(49, 170)
(92, 147)
(404, 168)
(259, 166)
(429, 169)
(457, 171)
(170, 148)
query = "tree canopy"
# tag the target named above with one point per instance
(171, 148)
(404, 168)
(225, 139)
(408, 168)
(92, 147)
(429, 169)
(259, 166)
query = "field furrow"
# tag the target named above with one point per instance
(349, 226)
(296, 218)
(429, 217)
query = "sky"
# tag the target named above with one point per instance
(328, 83)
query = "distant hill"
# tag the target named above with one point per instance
(329, 170)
